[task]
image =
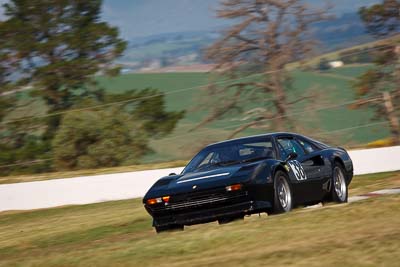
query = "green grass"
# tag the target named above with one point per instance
(119, 233)
(332, 87)
(352, 71)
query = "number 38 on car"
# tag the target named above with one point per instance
(266, 173)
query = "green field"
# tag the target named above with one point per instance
(332, 88)
(183, 92)
(119, 233)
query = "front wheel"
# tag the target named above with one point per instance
(339, 188)
(282, 193)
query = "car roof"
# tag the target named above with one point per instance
(252, 137)
(276, 134)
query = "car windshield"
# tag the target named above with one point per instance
(230, 154)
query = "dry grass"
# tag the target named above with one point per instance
(363, 184)
(119, 233)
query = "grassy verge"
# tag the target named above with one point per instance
(119, 233)
(89, 172)
(363, 184)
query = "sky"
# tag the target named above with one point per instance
(1, 9)
(149, 17)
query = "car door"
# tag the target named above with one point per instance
(304, 170)
(298, 175)
(318, 171)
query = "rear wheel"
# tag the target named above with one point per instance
(171, 227)
(282, 193)
(339, 190)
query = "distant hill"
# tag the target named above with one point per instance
(342, 32)
(186, 48)
(175, 32)
(168, 49)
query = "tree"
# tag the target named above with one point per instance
(57, 47)
(382, 19)
(113, 136)
(96, 139)
(265, 37)
(382, 83)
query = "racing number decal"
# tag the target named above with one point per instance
(298, 170)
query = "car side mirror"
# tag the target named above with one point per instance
(171, 174)
(291, 156)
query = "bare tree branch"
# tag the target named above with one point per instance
(242, 128)
(265, 37)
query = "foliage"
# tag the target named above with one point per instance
(58, 46)
(6, 104)
(93, 139)
(24, 148)
(147, 106)
(382, 20)
(117, 135)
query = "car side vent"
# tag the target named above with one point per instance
(163, 182)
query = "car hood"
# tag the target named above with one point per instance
(211, 177)
(220, 177)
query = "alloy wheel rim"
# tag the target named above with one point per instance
(284, 193)
(339, 184)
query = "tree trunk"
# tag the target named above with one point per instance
(393, 121)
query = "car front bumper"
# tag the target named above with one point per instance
(205, 206)
(207, 215)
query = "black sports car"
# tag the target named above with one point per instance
(266, 173)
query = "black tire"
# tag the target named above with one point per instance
(283, 199)
(168, 228)
(339, 187)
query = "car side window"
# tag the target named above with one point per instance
(256, 150)
(207, 159)
(307, 146)
(289, 145)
